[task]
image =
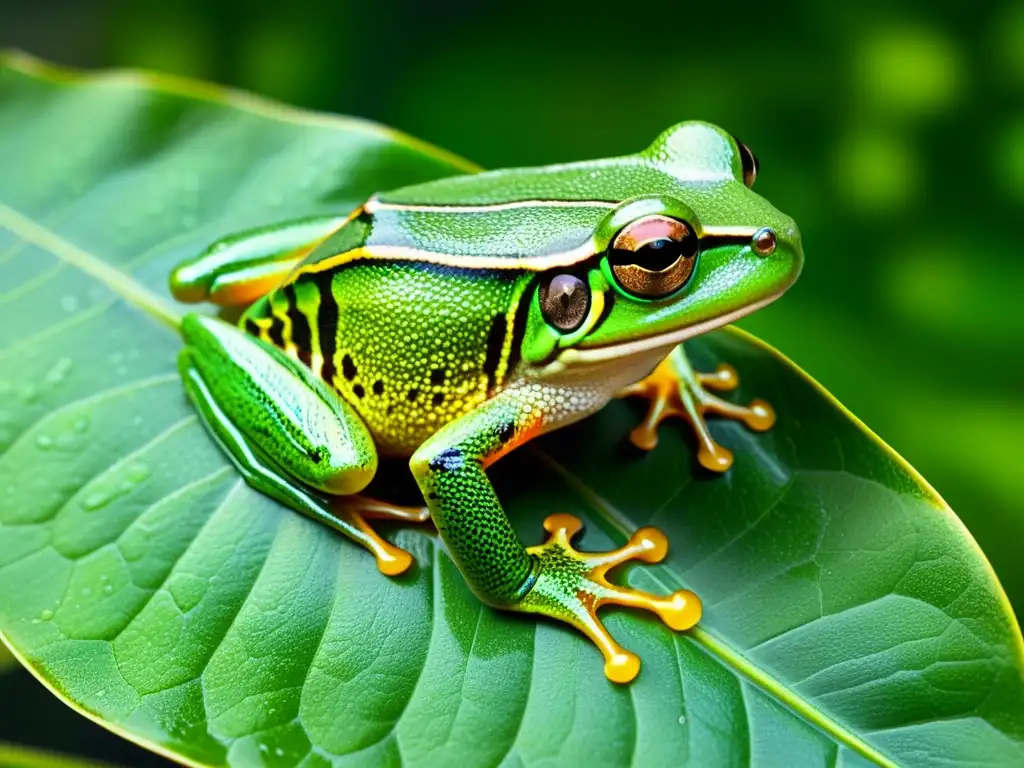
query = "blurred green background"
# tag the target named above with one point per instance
(892, 131)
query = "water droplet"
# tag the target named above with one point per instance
(86, 591)
(108, 590)
(44, 442)
(137, 472)
(59, 372)
(682, 719)
(263, 747)
(101, 693)
(279, 752)
(115, 485)
(69, 302)
(95, 501)
(46, 615)
(82, 425)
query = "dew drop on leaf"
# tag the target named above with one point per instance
(59, 372)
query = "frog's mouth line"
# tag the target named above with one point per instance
(670, 339)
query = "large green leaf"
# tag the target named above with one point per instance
(850, 617)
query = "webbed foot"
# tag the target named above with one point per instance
(571, 586)
(675, 389)
(391, 560)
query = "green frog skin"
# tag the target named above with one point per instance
(451, 322)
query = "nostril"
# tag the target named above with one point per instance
(764, 242)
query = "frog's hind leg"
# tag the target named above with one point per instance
(675, 389)
(240, 269)
(552, 579)
(259, 404)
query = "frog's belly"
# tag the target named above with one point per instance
(406, 411)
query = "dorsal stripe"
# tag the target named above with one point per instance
(400, 253)
(373, 205)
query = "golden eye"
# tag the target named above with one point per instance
(750, 164)
(565, 302)
(654, 256)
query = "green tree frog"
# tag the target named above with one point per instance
(452, 321)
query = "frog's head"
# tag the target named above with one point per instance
(693, 248)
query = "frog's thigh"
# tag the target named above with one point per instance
(260, 404)
(449, 468)
(239, 269)
(676, 389)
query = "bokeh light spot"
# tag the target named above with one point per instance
(170, 39)
(1008, 160)
(957, 290)
(876, 172)
(925, 287)
(1009, 43)
(908, 71)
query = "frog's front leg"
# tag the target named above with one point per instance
(553, 578)
(675, 389)
(287, 433)
(243, 267)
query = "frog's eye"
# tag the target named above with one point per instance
(565, 302)
(750, 164)
(654, 256)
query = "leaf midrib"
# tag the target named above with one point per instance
(162, 310)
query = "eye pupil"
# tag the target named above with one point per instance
(654, 256)
(565, 302)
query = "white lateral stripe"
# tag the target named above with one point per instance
(374, 205)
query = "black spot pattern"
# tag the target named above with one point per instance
(348, 368)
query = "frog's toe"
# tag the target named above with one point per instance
(391, 560)
(671, 393)
(571, 586)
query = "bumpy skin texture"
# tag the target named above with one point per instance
(410, 349)
(419, 328)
